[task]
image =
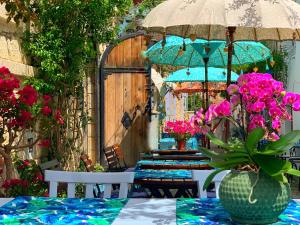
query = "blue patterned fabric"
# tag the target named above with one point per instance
(169, 162)
(39, 210)
(210, 211)
(163, 174)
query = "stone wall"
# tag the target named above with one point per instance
(11, 56)
(10, 47)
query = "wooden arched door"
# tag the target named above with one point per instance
(124, 82)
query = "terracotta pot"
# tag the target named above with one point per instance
(181, 145)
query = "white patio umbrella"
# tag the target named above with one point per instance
(227, 19)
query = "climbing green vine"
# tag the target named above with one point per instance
(61, 39)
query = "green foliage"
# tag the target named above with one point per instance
(194, 102)
(61, 40)
(31, 182)
(66, 39)
(137, 13)
(237, 154)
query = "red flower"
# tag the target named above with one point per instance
(46, 110)
(58, 117)
(26, 162)
(39, 177)
(25, 116)
(28, 95)
(12, 123)
(21, 167)
(47, 99)
(4, 70)
(15, 182)
(45, 143)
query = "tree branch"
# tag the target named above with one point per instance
(15, 148)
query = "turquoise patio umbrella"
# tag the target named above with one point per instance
(197, 74)
(178, 51)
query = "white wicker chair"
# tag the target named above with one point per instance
(201, 175)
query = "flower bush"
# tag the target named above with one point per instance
(264, 99)
(22, 109)
(31, 182)
(264, 105)
(181, 129)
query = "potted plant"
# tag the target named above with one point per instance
(256, 191)
(181, 131)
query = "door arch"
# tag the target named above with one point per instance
(125, 88)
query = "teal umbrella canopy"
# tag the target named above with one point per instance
(193, 52)
(244, 52)
(197, 74)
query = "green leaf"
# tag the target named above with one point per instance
(216, 140)
(285, 142)
(294, 172)
(281, 178)
(270, 152)
(272, 165)
(228, 147)
(253, 138)
(225, 155)
(210, 153)
(230, 163)
(211, 177)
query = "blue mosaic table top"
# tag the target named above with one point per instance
(39, 210)
(210, 211)
(162, 174)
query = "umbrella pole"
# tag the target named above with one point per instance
(206, 83)
(206, 59)
(231, 31)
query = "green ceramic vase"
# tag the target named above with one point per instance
(268, 200)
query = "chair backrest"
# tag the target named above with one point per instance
(88, 164)
(201, 175)
(113, 160)
(90, 180)
(53, 165)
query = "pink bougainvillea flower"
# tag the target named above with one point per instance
(296, 106)
(232, 89)
(235, 100)
(275, 112)
(273, 136)
(256, 120)
(276, 124)
(258, 106)
(46, 110)
(223, 109)
(289, 98)
(210, 114)
(28, 95)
